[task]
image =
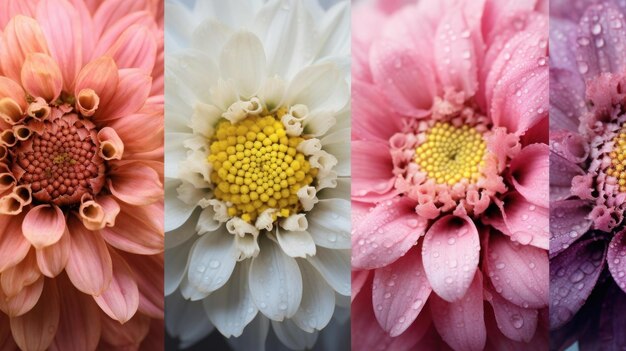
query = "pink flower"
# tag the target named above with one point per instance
(450, 175)
(81, 159)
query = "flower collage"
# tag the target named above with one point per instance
(312, 175)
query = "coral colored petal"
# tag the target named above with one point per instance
(124, 336)
(36, 329)
(13, 245)
(135, 48)
(25, 300)
(135, 183)
(43, 225)
(517, 323)
(518, 272)
(385, 234)
(450, 255)
(573, 275)
(530, 173)
(129, 96)
(568, 222)
(120, 299)
(369, 109)
(526, 223)
(616, 258)
(400, 291)
(101, 76)
(461, 324)
(148, 272)
(52, 259)
(89, 266)
(41, 77)
(395, 69)
(141, 132)
(24, 36)
(134, 232)
(25, 273)
(81, 316)
(61, 25)
(14, 91)
(455, 54)
(372, 171)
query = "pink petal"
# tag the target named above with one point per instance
(52, 259)
(450, 255)
(24, 36)
(136, 231)
(461, 324)
(148, 272)
(135, 183)
(36, 329)
(568, 222)
(13, 246)
(41, 77)
(358, 280)
(109, 36)
(400, 291)
(616, 257)
(142, 132)
(13, 90)
(43, 225)
(515, 322)
(24, 301)
(369, 109)
(101, 76)
(61, 26)
(368, 335)
(120, 299)
(89, 266)
(81, 316)
(518, 272)
(25, 273)
(395, 69)
(385, 234)
(12, 8)
(372, 171)
(131, 94)
(111, 146)
(526, 223)
(530, 173)
(109, 12)
(455, 54)
(135, 48)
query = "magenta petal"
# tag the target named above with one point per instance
(396, 68)
(526, 223)
(385, 234)
(358, 280)
(400, 291)
(450, 253)
(568, 222)
(573, 275)
(600, 43)
(515, 322)
(530, 173)
(461, 324)
(518, 272)
(562, 172)
(372, 171)
(616, 258)
(371, 119)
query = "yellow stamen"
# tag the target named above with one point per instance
(618, 156)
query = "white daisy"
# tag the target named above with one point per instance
(257, 166)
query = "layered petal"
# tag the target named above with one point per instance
(44, 225)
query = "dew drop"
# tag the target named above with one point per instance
(214, 264)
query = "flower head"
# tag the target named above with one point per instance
(257, 176)
(450, 172)
(81, 101)
(587, 180)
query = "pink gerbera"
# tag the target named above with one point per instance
(81, 125)
(450, 175)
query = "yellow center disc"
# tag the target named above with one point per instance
(256, 166)
(618, 160)
(450, 154)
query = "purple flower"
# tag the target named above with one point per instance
(588, 174)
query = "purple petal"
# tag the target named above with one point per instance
(562, 44)
(568, 222)
(616, 258)
(573, 275)
(613, 321)
(566, 99)
(562, 172)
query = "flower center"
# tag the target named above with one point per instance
(449, 154)
(61, 163)
(257, 166)
(617, 168)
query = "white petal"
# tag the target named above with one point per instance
(234, 13)
(254, 336)
(329, 223)
(206, 221)
(292, 336)
(318, 300)
(186, 320)
(213, 259)
(273, 92)
(320, 87)
(210, 36)
(288, 36)
(204, 119)
(190, 291)
(319, 122)
(334, 266)
(275, 282)
(335, 31)
(176, 260)
(243, 60)
(178, 28)
(231, 308)
(177, 211)
(194, 71)
(295, 244)
(175, 152)
(338, 145)
(183, 233)
(341, 191)
(247, 246)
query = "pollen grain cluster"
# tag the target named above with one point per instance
(450, 154)
(256, 166)
(617, 168)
